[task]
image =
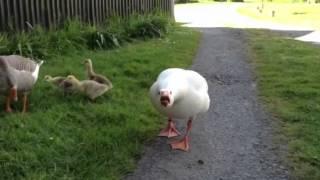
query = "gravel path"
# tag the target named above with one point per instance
(234, 139)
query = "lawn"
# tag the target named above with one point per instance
(288, 77)
(295, 14)
(69, 137)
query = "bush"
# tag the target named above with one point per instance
(146, 26)
(74, 35)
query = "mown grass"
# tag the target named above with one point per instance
(69, 137)
(288, 76)
(294, 14)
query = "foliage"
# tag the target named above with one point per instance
(76, 35)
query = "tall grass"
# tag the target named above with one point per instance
(75, 35)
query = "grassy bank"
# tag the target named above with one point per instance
(288, 76)
(295, 14)
(72, 138)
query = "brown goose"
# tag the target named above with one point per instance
(59, 82)
(96, 77)
(17, 74)
(56, 81)
(90, 88)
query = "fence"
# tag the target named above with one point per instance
(19, 14)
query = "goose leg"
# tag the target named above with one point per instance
(8, 102)
(25, 100)
(183, 144)
(170, 130)
(12, 95)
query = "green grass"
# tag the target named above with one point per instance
(288, 76)
(68, 137)
(295, 14)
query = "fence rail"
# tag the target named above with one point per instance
(20, 14)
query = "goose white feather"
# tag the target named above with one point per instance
(36, 71)
(18, 74)
(179, 93)
(189, 93)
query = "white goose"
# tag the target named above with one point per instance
(17, 74)
(179, 93)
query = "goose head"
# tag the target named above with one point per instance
(171, 93)
(72, 78)
(87, 62)
(47, 77)
(71, 82)
(170, 90)
(166, 97)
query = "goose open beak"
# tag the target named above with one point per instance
(165, 97)
(164, 100)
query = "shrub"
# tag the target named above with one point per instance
(139, 26)
(74, 35)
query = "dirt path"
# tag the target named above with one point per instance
(232, 140)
